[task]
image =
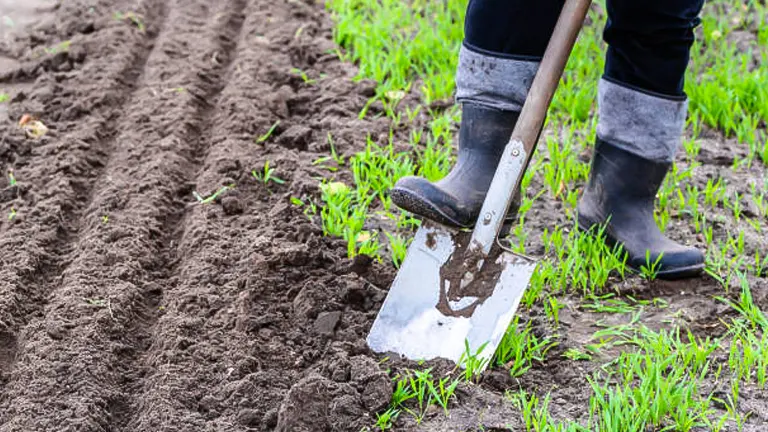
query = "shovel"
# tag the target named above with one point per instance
(456, 294)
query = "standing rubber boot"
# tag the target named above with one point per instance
(622, 187)
(456, 200)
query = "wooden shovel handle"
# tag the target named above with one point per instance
(550, 71)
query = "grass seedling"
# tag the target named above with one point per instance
(4, 97)
(304, 77)
(419, 381)
(656, 387)
(262, 139)
(398, 247)
(535, 413)
(12, 214)
(417, 388)
(443, 392)
(608, 304)
(59, 47)
(386, 420)
(552, 308)
(576, 355)
(334, 155)
(760, 267)
(214, 196)
(735, 206)
(266, 175)
(650, 269)
(340, 160)
(472, 363)
(11, 178)
(746, 306)
(402, 392)
(519, 348)
(135, 19)
(177, 90)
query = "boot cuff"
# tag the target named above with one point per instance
(650, 126)
(495, 82)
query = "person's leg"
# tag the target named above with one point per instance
(642, 113)
(504, 41)
(503, 45)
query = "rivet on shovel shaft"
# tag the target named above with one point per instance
(516, 152)
(487, 218)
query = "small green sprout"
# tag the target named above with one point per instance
(650, 270)
(266, 175)
(398, 247)
(214, 196)
(576, 355)
(385, 420)
(472, 362)
(136, 19)
(59, 47)
(304, 76)
(269, 133)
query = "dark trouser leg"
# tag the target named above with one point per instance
(649, 43)
(642, 111)
(503, 45)
(642, 104)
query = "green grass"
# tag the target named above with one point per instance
(520, 348)
(266, 175)
(415, 391)
(214, 196)
(658, 379)
(135, 19)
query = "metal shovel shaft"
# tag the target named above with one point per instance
(522, 144)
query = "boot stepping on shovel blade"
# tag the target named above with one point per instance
(455, 291)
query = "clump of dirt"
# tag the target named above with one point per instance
(318, 403)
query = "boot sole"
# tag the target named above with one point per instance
(669, 274)
(414, 204)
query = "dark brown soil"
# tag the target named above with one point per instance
(126, 305)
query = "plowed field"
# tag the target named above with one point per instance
(126, 304)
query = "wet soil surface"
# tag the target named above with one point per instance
(127, 305)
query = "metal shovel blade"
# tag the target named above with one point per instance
(420, 318)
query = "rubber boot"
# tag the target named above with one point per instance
(621, 193)
(457, 199)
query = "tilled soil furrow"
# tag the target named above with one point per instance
(226, 348)
(56, 175)
(78, 358)
(176, 392)
(228, 34)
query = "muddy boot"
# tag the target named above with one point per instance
(456, 200)
(621, 193)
